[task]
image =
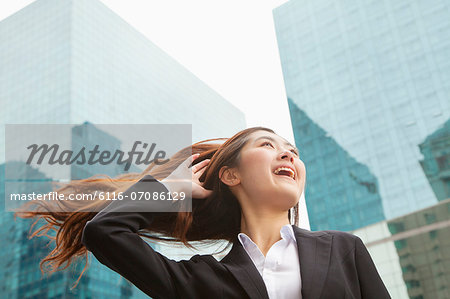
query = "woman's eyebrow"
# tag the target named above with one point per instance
(270, 138)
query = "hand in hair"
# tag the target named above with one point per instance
(183, 178)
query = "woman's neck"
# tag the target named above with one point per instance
(264, 230)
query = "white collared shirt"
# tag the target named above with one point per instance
(280, 268)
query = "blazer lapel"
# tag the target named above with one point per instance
(241, 266)
(314, 251)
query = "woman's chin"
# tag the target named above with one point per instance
(289, 186)
(287, 199)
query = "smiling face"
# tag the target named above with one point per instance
(270, 173)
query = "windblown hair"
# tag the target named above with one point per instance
(217, 217)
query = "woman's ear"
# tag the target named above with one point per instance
(229, 176)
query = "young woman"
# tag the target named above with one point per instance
(246, 191)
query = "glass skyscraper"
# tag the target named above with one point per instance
(375, 76)
(436, 162)
(367, 85)
(340, 192)
(76, 61)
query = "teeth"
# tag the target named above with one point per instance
(287, 169)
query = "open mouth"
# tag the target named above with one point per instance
(285, 171)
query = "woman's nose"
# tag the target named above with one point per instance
(287, 155)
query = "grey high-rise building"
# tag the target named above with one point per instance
(72, 61)
(375, 76)
(436, 162)
(368, 85)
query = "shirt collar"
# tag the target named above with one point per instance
(286, 232)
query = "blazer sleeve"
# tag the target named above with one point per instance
(112, 237)
(371, 285)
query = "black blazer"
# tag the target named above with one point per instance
(333, 264)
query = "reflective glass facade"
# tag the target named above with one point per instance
(340, 192)
(367, 85)
(375, 75)
(412, 252)
(436, 162)
(75, 61)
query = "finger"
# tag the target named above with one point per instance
(200, 165)
(199, 173)
(206, 192)
(189, 160)
(200, 192)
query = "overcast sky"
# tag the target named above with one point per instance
(230, 45)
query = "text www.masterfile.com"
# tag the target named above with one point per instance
(99, 195)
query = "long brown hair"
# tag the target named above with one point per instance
(217, 217)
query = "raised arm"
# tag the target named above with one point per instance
(112, 237)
